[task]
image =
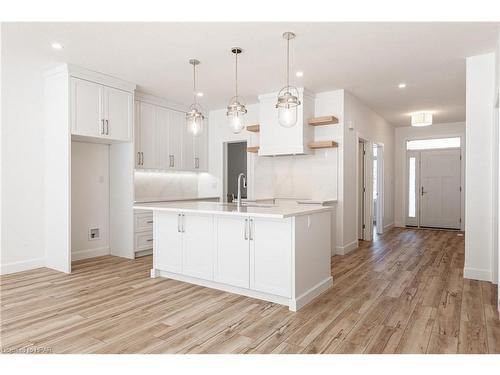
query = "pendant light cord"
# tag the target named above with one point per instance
(194, 83)
(236, 74)
(287, 63)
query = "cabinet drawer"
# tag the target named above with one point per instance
(143, 221)
(143, 241)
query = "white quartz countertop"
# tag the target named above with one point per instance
(253, 210)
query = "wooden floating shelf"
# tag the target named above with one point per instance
(322, 144)
(253, 128)
(253, 149)
(325, 120)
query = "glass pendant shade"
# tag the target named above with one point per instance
(194, 117)
(288, 97)
(236, 108)
(194, 120)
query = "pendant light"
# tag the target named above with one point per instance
(236, 107)
(194, 117)
(288, 97)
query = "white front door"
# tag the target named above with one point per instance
(440, 188)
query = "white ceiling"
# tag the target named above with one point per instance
(368, 59)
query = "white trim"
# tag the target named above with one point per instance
(312, 293)
(343, 250)
(226, 288)
(150, 99)
(89, 253)
(390, 225)
(21, 266)
(477, 274)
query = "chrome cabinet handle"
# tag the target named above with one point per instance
(173, 161)
(142, 158)
(423, 192)
(149, 240)
(179, 223)
(102, 126)
(183, 223)
(149, 222)
(107, 127)
(245, 235)
(138, 158)
(250, 226)
(197, 163)
(170, 161)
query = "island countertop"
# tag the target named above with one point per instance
(249, 210)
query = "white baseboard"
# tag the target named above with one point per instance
(477, 274)
(388, 226)
(343, 250)
(90, 253)
(22, 266)
(308, 296)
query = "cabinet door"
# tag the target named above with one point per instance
(162, 138)
(232, 254)
(137, 134)
(148, 138)
(87, 108)
(197, 247)
(270, 256)
(167, 246)
(118, 114)
(201, 150)
(187, 150)
(177, 125)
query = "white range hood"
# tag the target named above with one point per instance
(277, 140)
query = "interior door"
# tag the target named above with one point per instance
(440, 188)
(87, 108)
(118, 104)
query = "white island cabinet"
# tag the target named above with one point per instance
(278, 254)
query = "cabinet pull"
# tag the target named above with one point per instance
(183, 223)
(245, 235)
(173, 161)
(179, 223)
(149, 240)
(102, 126)
(142, 158)
(170, 161)
(250, 230)
(197, 163)
(149, 222)
(107, 127)
(138, 158)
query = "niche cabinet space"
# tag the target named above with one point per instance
(88, 134)
(100, 111)
(162, 141)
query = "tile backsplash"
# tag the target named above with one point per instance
(151, 185)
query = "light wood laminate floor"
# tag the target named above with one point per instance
(403, 293)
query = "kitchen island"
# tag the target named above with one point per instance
(277, 253)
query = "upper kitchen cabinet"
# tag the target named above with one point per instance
(278, 140)
(162, 141)
(100, 111)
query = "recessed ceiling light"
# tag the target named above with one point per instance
(402, 85)
(56, 45)
(299, 74)
(199, 94)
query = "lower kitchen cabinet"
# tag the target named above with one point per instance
(167, 250)
(270, 256)
(232, 254)
(197, 245)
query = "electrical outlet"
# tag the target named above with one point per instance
(94, 234)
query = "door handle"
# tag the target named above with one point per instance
(245, 235)
(250, 230)
(107, 127)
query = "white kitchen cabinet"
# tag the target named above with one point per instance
(201, 151)
(99, 111)
(147, 156)
(167, 250)
(188, 146)
(270, 256)
(161, 131)
(118, 106)
(87, 116)
(175, 130)
(197, 245)
(232, 254)
(277, 140)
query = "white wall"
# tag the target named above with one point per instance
(369, 126)
(22, 157)
(403, 134)
(478, 167)
(89, 199)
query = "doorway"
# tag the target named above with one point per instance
(434, 183)
(235, 162)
